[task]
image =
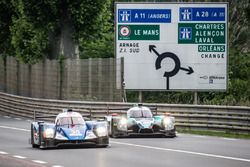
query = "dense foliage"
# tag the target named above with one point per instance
(5, 20)
(29, 24)
(101, 43)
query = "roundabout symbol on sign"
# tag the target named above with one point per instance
(176, 60)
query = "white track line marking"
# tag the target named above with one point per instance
(4, 153)
(230, 139)
(39, 162)
(156, 148)
(57, 166)
(13, 128)
(199, 136)
(6, 117)
(19, 119)
(19, 157)
(183, 151)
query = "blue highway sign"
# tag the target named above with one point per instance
(202, 14)
(144, 16)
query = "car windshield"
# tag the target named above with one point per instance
(70, 121)
(140, 114)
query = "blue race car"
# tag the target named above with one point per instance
(139, 120)
(69, 129)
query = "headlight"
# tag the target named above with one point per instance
(167, 121)
(101, 131)
(123, 121)
(122, 124)
(90, 135)
(49, 133)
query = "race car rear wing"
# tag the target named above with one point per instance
(96, 113)
(47, 116)
(122, 110)
(42, 116)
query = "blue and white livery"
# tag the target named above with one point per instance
(69, 129)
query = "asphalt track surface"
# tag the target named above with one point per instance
(184, 150)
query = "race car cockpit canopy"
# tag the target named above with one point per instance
(68, 117)
(139, 112)
(70, 121)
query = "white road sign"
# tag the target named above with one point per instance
(173, 46)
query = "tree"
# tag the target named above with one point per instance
(38, 29)
(239, 34)
(101, 43)
(5, 20)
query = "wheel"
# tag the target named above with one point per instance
(32, 138)
(113, 130)
(102, 146)
(35, 146)
(171, 134)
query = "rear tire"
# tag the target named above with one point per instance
(35, 146)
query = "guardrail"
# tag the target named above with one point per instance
(197, 117)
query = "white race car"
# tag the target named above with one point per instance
(139, 120)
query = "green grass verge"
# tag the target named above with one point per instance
(215, 133)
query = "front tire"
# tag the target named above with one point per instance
(113, 130)
(32, 138)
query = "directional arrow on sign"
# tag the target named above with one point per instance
(176, 60)
(152, 48)
(189, 70)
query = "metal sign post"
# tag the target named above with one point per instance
(195, 98)
(140, 96)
